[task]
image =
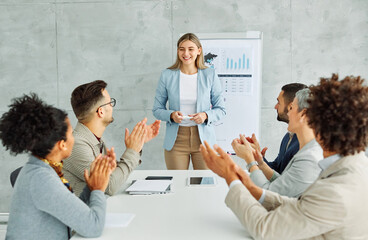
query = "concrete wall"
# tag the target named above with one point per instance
(50, 47)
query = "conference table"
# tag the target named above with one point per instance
(188, 212)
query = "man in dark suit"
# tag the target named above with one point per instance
(289, 144)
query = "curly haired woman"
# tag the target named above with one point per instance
(43, 205)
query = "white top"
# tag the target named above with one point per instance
(188, 97)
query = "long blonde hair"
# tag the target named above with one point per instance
(199, 63)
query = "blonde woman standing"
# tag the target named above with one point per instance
(195, 101)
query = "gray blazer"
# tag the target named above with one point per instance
(86, 149)
(42, 207)
(300, 173)
(333, 207)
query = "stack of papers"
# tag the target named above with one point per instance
(147, 187)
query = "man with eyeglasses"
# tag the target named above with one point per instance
(93, 108)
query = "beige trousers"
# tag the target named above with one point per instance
(186, 147)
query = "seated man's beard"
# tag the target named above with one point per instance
(108, 121)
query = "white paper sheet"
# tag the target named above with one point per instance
(117, 220)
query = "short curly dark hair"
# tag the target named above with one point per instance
(338, 113)
(32, 126)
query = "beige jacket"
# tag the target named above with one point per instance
(86, 149)
(334, 207)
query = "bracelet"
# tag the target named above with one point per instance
(251, 164)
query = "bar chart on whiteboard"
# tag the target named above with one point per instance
(229, 60)
(234, 68)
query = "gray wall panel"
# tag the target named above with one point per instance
(27, 52)
(116, 42)
(329, 37)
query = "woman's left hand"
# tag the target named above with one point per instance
(99, 175)
(198, 118)
(110, 153)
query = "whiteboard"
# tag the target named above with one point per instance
(237, 59)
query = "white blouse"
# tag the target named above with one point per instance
(188, 97)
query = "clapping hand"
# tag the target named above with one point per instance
(255, 144)
(112, 156)
(152, 130)
(219, 162)
(258, 154)
(99, 175)
(136, 139)
(255, 149)
(243, 149)
(222, 164)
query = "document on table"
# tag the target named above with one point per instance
(117, 220)
(149, 186)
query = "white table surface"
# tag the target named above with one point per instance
(187, 213)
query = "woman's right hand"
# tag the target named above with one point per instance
(176, 116)
(258, 155)
(99, 175)
(255, 144)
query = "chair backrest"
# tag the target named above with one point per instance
(14, 175)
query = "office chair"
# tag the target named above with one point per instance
(14, 175)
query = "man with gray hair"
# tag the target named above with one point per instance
(302, 170)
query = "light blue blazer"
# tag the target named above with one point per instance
(209, 100)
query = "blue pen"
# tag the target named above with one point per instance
(230, 153)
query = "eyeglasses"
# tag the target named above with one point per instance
(112, 103)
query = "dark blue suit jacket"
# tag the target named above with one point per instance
(284, 156)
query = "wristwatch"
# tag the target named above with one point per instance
(251, 164)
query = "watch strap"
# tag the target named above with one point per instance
(251, 164)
